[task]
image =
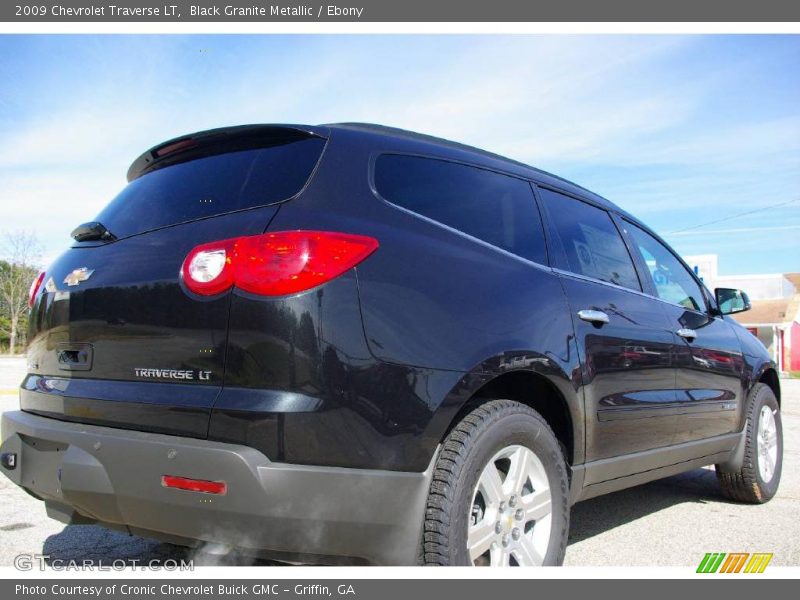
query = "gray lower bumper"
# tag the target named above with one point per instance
(113, 476)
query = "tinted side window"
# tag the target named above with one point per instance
(495, 208)
(672, 281)
(591, 242)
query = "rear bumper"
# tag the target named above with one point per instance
(113, 476)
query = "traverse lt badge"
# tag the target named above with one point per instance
(77, 276)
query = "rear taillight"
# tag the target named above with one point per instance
(274, 264)
(37, 283)
(208, 269)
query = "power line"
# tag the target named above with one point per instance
(736, 216)
(737, 230)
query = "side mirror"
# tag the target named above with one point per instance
(731, 301)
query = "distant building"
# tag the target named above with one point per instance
(775, 316)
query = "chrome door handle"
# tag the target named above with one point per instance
(593, 316)
(687, 334)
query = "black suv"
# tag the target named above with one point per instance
(356, 344)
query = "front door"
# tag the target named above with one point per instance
(707, 353)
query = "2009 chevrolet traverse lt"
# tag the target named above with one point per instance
(356, 344)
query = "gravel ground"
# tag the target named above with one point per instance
(672, 522)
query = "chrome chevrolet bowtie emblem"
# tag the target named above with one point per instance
(78, 275)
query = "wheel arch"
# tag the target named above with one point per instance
(545, 394)
(769, 376)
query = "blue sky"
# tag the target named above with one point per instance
(679, 130)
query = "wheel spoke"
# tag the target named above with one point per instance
(491, 485)
(770, 463)
(479, 538)
(518, 472)
(771, 439)
(537, 505)
(764, 424)
(500, 556)
(526, 554)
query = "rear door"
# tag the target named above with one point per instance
(115, 337)
(623, 336)
(707, 354)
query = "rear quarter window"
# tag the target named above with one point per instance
(495, 208)
(212, 185)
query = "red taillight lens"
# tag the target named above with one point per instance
(37, 283)
(274, 264)
(194, 485)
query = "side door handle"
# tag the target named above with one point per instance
(687, 334)
(597, 317)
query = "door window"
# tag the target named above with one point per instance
(672, 280)
(591, 241)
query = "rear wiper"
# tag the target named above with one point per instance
(92, 231)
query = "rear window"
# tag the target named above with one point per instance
(212, 185)
(495, 208)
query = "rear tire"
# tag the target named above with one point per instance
(500, 492)
(758, 479)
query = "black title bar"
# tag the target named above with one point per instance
(240, 11)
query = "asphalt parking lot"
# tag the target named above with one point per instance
(672, 522)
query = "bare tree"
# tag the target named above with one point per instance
(21, 251)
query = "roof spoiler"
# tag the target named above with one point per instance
(219, 141)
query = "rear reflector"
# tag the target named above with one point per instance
(274, 264)
(194, 485)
